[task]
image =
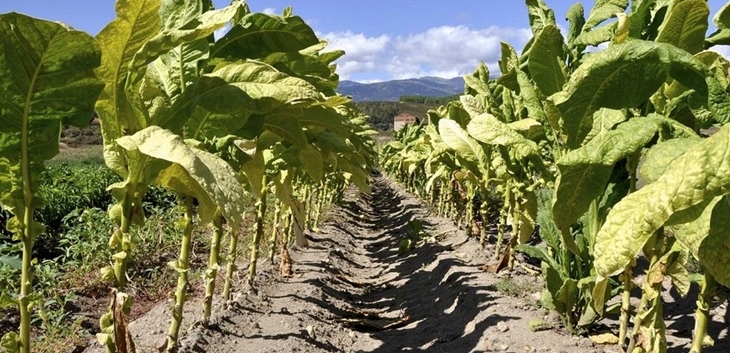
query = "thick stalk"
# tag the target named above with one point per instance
(307, 199)
(642, 310)
(182, 279)
(26, 280)
(503, 213)
(231, 264)
(702, 314)
(212, 272)
(631, 167)
(516, 229)
(469, 210)
(321, 197)
(274, 230)
(625, 305)
(260, 213)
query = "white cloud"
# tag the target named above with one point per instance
(270, 11)
(363, 53)
(445, 51)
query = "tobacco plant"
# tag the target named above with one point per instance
(46, 70)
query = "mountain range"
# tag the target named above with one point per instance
(393, 90)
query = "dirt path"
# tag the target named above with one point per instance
(354, 292)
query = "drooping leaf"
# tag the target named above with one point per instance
(584, 173)
(189, 33)
(255, 86)
(700, 174)
(547, 61)
(191, 172)
(459, 140)
(722, 22)
(259, 35)
(596, 36)
(576, 20)
(136, 22)
(488, 129)
(713, 252)
(47, 80)
(686, 26)
(624, 75)
(661, 155)
(603, 10)
(604, 121)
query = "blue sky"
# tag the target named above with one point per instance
(384, 39)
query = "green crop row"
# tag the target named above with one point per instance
(606, 150)
(216, 122)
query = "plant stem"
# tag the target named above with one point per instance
(702, 313)
(231, 264)
(502, 220)
(212, 272)
(260, 213)
(182, 279)
(26, 280)
(274, 230)
(625, 305)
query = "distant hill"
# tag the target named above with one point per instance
(392, 90)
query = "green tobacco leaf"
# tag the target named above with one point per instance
(46, 71)
(686, 26)
(257, 87)
(509, 60)
(713, 252)
(137, 21)
(584, 173)
(596, 36)
(700, 174)
(624, 75)
(576, 20)
(324, 116)
(530, 97)
(547, 61)
(540, 14)
(312, 162)
(478, 81)
(603, 10)
(604, 121)
(459, 140)
(531, 129)
(197, 29)
(722, 22)
(287, 128)
(640, 17)
(691, 226)
(308, 68)
(661, 155)
(488, 129)
(260, 35)
(191, 172)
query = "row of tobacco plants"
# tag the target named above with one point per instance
(253, 113)
(607, 151)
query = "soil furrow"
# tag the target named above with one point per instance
(355, 290)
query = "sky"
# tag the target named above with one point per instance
(383, 39)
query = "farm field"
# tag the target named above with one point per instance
(229, 199)
(353, 290)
